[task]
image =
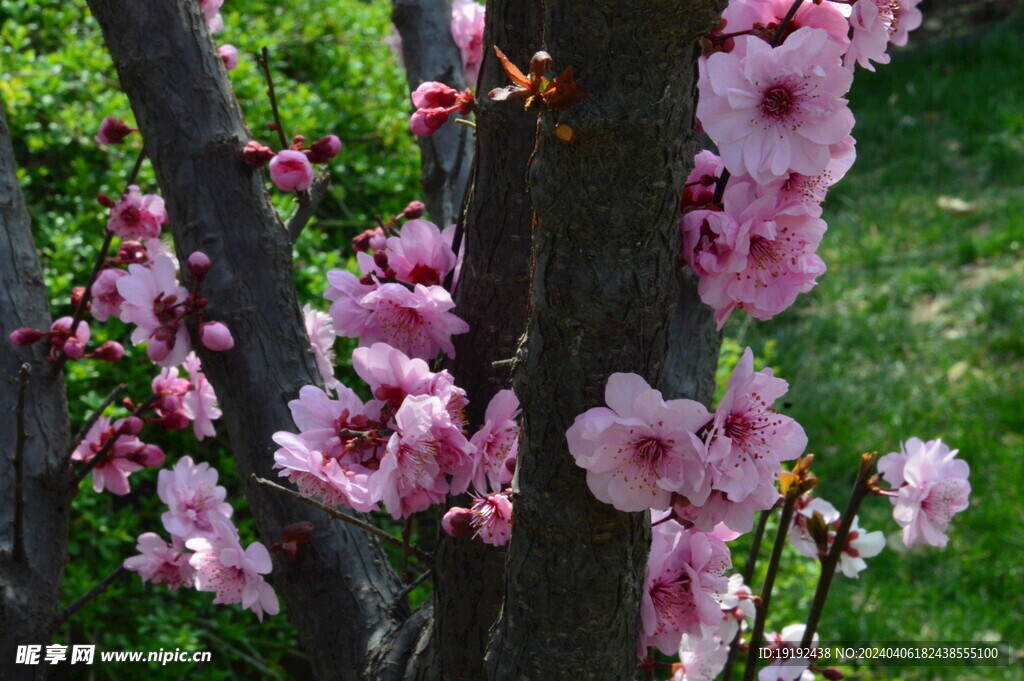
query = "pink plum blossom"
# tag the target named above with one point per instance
(931, 487)
(468, 34)
(701, 659)
(112, 131)
(200, 403)
(391, 374)
(685, 578)
(170, 389)
(765, 16)
(737, 607)
(229, 53)
(161, 563)
(743, 447)
(417, 322)
(496, 442)
(776, 110)
(420, 254)
(126, 456)
(290, 170)
(342, 427)
(875, 24)
(61, 338)
(322, 477)
(211, 10)
(638, 450)
(137, 216)
(106, 301)
(324, 149)
(234, 574)
(432, 94)
(216, 336)
(194, 500)
(320, 330)
(490, 519)
(859, 544)
(155, 303)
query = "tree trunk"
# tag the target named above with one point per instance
(493, 292)
(693, 347)
(604, 284)
(340, 591)
(430, 54)
(32, 558)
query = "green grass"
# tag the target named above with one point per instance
(917, 329)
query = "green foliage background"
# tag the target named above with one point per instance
(914, 331)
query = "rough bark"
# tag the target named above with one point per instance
(493, 292)
(693, 347)
(430, 55)
(604, 284)
(29, 582)
(340, 591)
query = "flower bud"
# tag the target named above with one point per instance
(458, 522)
(216, 336)
(131, 426)
(364, 242)
(199, 264)
(131, 252)
(76, 295)
(149, 456)
(414, 210)
(290, 171)
(299, 532)
(104, 200)
(229, 53)
(832, 674)
(26, 336)
(256, 155)
(112, 131)
(74, 348)
(111, 351)
(380, 259)
(324, 149)
(174, 420)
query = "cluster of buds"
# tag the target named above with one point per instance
(376, 239)
(434, 103)
(291, 169)
(65, 342)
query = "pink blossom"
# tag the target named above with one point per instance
(875, 24)
(106, 301)
(126, 456)
(229, 53)
(420, 254)
(765, 16)
(931, 487)
(425, 122)
(496, 442)
(776, 110)
(701, 659)
(685, 576)
(859, 544)
(431, 94)
(61, 338)
(109, 351)
(417, 322)
(200, 403)
(234, 574)
(211, 10)
(256, 155)
(194, 500)
(492, 518)
(322, 477)
(155, 303)
(170, 389)
(638, 450)
(737, 606)
(391, 374)
(161, 563)
(809, 192)
(341, 428)
(468, 33)
(290, 170)
(324, 149)
(745, 444)
(216, 336)
(137, 216)
(112, 131)
(320, 330)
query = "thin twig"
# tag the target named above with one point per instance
(828, 566)
(65, 614)
(264, 62)
(335, 513)
(769, 583)
(309, 201)
(104, 452)
(94, 417)
(19, 466)
(748, 576)
(412, 585)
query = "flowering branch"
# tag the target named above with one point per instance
(264, 62)
(19, 466)
(794, 485)
(748, 576)
(65, 614)
(861, 488)
(91, 421)
(335, 513)
(103, 454)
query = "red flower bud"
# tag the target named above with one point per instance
(199, 264)
(414, 210)
(256, 155)
(26, 336)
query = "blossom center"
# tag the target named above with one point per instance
(776, 102)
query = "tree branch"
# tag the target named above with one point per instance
(308, 202)
(66, 614)
(94, 417)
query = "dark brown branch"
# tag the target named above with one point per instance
(748, 576)
(351, 520)
(94, 417)
(80, 602)
(308, 202)
(104, 452)
(264, 62)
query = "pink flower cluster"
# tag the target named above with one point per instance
(125, 453)
(467, 27)
(291, 170)
(184, 400)
(434, 103)
(859, 544)
(399, 299)
(489, 519)
(72, 345)
(772, 98)
(406, 448)
(929, 487)
(199, 520)
(642, 452)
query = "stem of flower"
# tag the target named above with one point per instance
(91, 421)
(861, 488)
(335, 513)
(264, 62)
(748, 576)
(769, 584)
(65, 614)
